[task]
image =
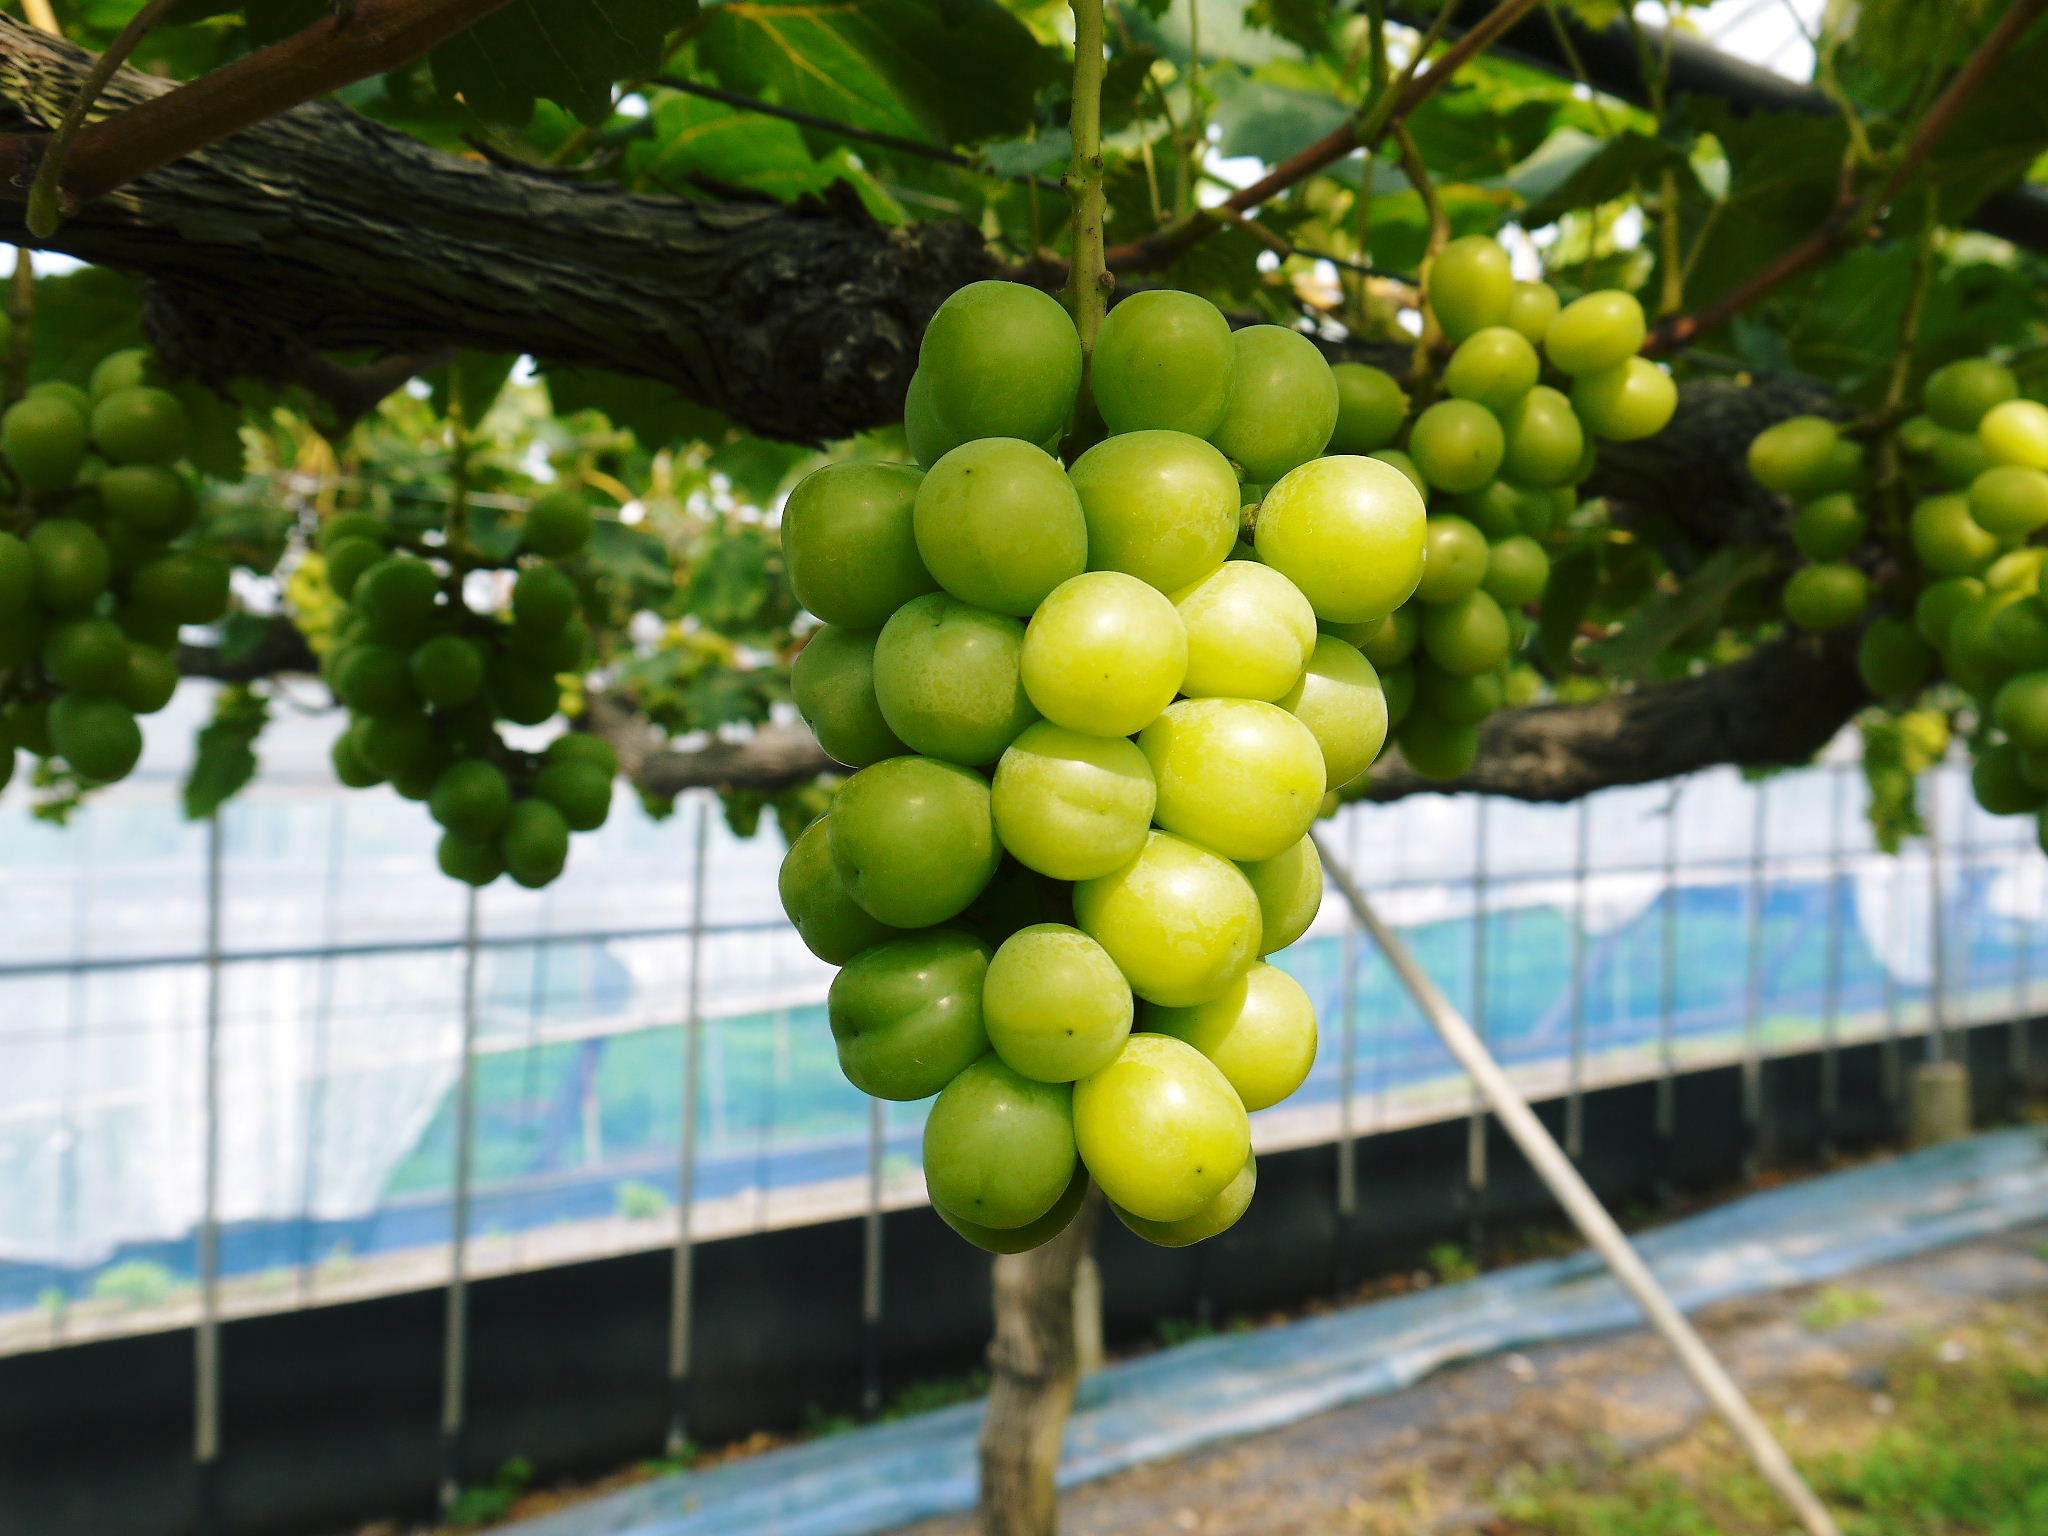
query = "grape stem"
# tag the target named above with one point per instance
(1853, 217)
(1391, 106)
(45, 194)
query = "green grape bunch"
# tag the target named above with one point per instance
(1093, 709)
(102, 562)
(430, 671)
(1932, 549)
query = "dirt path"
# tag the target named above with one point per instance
(1435, 1458)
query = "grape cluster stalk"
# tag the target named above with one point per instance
(1092, 710)
(103, 560)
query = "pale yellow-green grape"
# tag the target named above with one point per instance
(1032, 1234)
(1394, 644)
(1282, 405)
(1828, 527)
(947, 679)
(1458, 558)
(1958, 394)
(1218, 1216)
(826, 917)
(1999, 781)
(1435, 747)
(1517, 571)
(1457, 445)
(1972, 657)
(1623, 404)
(1601, 330)
(1160, 506)
(2015, 432)
(1162, 359)
(913, 840)
(833, 682)
(1240, 777)
(1828, 595)
(1532, 308)
(926, 432)
(1544, 439)
(1346, 531)
(1792, 457)
(1495, 509)
(1054, 1003)
(999, 525)
(1467, 635)
(1494, 367)
(1948, 540)
(1957, 458)
(2019, 634)
(2021, 710)
(1396, 460)
(849, 545)
(999, 1146)
(1002, 360)
(1160, 1129)
(1179, 921)
(1261, 1033)
(1104, 654)
(906, 1015)
(2017, 570)
(1072, 806)
(2010, 501)
(1461, 700)
(1469, 286)
(1941, 603)
(1893, 661)
(1371, 405)
(1290, 890)
(1339, 700)
(1249, 629)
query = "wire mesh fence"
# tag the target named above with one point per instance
(282, 1062)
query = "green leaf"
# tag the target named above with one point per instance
(224, 756)
(80, 317)
(1268, 121)
(1211, 29)
(631, 556)
(1654, 624)
(699, 141)
(568, 51)
(1783, 171)
(477, 376)
(1572, 169)
(957, 72)
(757, 467)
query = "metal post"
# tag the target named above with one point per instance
(2018, 1067)
(1590, 1216)
(206, 1396)
(678, 1436)
(1831, 981)
(1475, 1118)
(1892, 1060)
(1753, 1001)
(1667, 1045)
(1938, 1093)
(316, 1076)
(455, 1307)
(1347, 1120)
(871, 1267)
(1575, 1082)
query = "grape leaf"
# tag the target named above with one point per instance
(1783, 171)
(224, 755)
(1655, 623)
(956, 72)
(695, 140)
(568, 51)
(1572, 170)
(1268, 121)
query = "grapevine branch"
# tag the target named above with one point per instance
(1853, 216)
(1392, 106)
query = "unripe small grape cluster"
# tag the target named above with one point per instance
(1959, 583)
(1092, 729)
(427, 678)
(1498, 457)
(99, 566)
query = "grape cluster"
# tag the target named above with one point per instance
(1497, 458)
(1949, 562)
(99, 569)
(1092, 729)
(428, 667)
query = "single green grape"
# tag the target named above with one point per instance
(1829, 527)
(1396, 642)
(1532, 308)
(999, 1146)
(1261, 1033)
(1827, 595)
(1072, 806)
(2015, 432)
(1249, 632)
(1240, 777)
(1160, 1129)
(1002, 360)
(1461, 699)
(833, 683)
(1160, 506)
(948, 679)
(1339, 700)
(926, 432)
(1469, 285)
(97, 736)
(999, 526)
(1437, 748)
(1289, 887)
(1467, 635)
(1494, 367)
(913, 840)
(1940, 604)
(1544, 439)
(2020, 635)
(1958, 394)
(1348, 533)
(1457, 445)
(2010, 500)
(2000, 783)
(1104, 654)
(1791, 456)
(1054, 1003)
(849, 544)
(1162, 360)
(1396, 460)
(1893, 660)
(1948, 540)
(2021, 710)
(1601, 330)
(1517, 571)
(906, 1014)
(1632, 400)
(1371, 405)
(1179, 921)
(1282, 405)
(1218, 1216)
(1458, 556)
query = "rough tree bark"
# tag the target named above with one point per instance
(320, 230)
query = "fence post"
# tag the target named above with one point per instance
(1753, 996)
(455, 1311)
(1476, 1173)
(1938, 1090)
(1831, 982)
(206, 1394)
(1589, 1215)
(682, 1275)
(1667, 1024)
(1575, 1064)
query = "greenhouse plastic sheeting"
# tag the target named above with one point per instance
(1169, 1403)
